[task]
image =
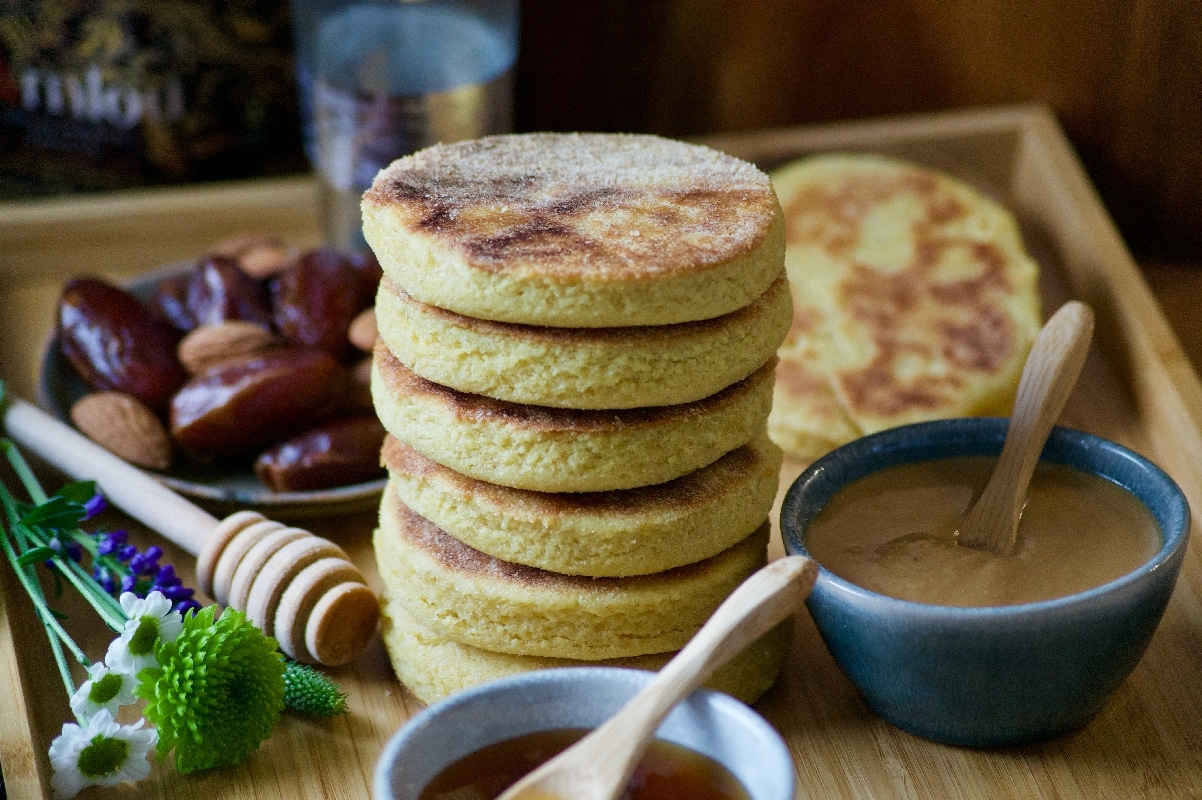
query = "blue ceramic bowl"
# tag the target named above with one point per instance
(708, 722)
(1000, 675)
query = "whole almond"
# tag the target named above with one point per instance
(363, 330)
(124, 425)
(208, 345)
(259, 255)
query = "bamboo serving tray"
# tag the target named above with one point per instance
(1137, 388)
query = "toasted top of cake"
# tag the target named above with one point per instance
(576, 230)
(913, 296)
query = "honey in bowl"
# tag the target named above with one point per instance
(894, 532)
(667, 771)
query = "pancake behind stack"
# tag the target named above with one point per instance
(913, 299)
(576, 355)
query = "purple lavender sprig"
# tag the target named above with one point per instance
(118, 566)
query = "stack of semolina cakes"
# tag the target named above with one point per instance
(575, 367)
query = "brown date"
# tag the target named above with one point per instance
(169, 301)
(338, 453)
(367, 267)
(245, 404)
(115, 344)
(218, 291)
(315, 300)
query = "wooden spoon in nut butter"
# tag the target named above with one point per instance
(1047, 379)
(599, 766)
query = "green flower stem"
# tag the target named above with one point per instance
(28, 479)
(55, 632)
(87, 542)
(106, 606)
(109, 609)
(34, 590)
(60, 660)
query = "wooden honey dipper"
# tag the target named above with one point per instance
(295, 586)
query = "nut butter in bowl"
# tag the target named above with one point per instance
(962, 646)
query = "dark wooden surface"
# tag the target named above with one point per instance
(1124, 77)
(1178, 290)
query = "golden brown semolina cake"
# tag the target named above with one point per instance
(565, 450)
(601, 534)
(496, 605)
(654, 365)
(806, 419)
(579, 230)
(914, 299)
(432, 666)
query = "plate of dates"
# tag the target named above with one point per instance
(238, 379)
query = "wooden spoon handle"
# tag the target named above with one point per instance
(122, 484)
(1045, 388)
(1052, 367)
(599, 765)
(760, 602)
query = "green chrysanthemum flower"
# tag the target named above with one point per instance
(307, 691)
(217, 692)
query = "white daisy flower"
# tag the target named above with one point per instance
(104, 689)
(149, 619)
(99, 753)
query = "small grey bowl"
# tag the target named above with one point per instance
(1001, 675)
(709, 722)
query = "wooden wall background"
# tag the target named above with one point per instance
(1124, 76)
